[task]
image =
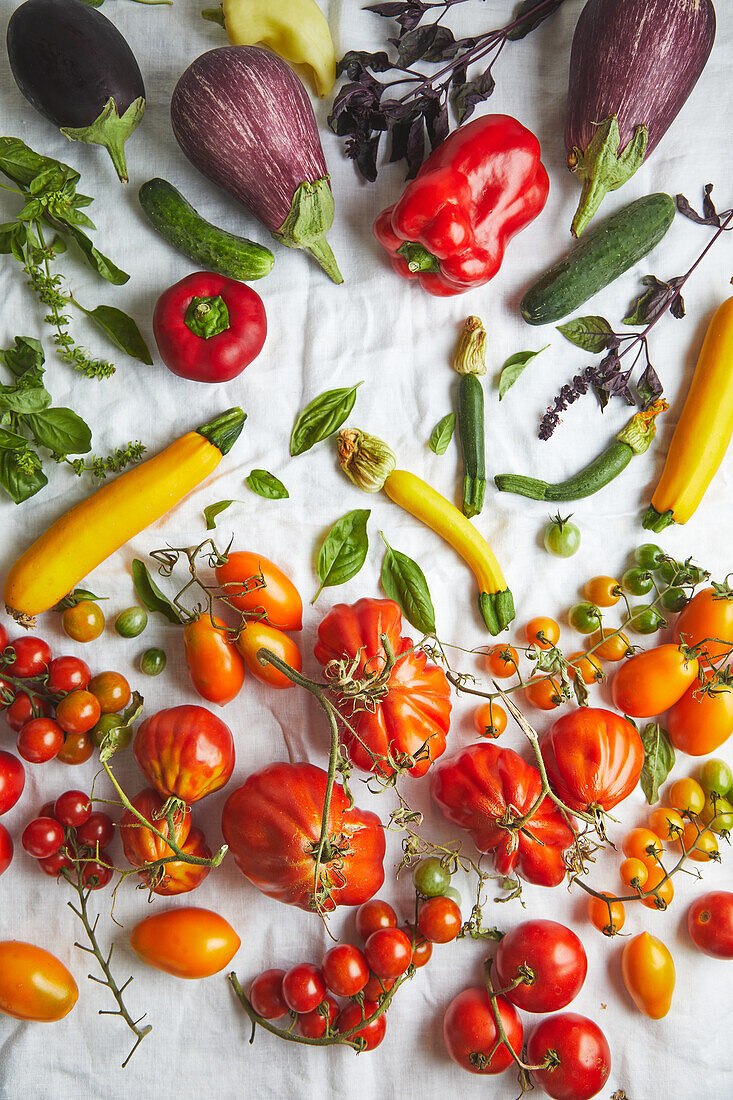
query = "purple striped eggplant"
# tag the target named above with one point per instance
(244, 119)
(633, 65)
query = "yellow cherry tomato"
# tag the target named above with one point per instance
(489, 720)
(665, 892)
(648, 972)
(545, 694)
(643, 844)
(718, 814)
(700, 846)
(501, 661)
(542, 632)
(609, 647)
(607, 916)
(687, 794)
(603, 591)
(34, 984)
(634, 872)
(666, 823)
(187, 942)
(588, 666)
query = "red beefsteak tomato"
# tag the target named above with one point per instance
(481, 789)
(272, 824)
(185, 752)
(412, 718)
(179, 877)
(593, 758)
(139, 844)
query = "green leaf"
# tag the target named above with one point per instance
(27, 355)
(267, 485)
(214, 510)
(20, 164)
(514, 366)
(119, 735)
(15, 399)
(321, 418)
(21, 475)
(11, 441)
(76, 597)
(61, 431)
(101, 264)
(404, 582)
(150, 595)
(442, 434)
(589, 333)
(659, 758)
(344, 550)
(122, 331)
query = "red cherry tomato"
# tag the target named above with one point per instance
(76, 749)
(55, 864)
(40, 740)
(3, 637)
(95, 874)
(278, 598)
(72, 808)
(7, 693)
(66, 674)
(376, 987)
(470, 1035)
(111, 691)
(23, 709)
(6, 849)
(313, 1024)
(423, 948)
(710, 924)
(266, 995)
(345, 970)
(581, 1055)
(303, 987)
(185, 752)
(372, 915)
(388, 952)
(351, 1016)
(97, 830)
(42, 837)
(31, 657)
(555, 961)
(12, 781)
(78, 712)
(439, 919)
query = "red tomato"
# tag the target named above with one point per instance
(42, 837)
(582, 1052)
(94, 874)
(439, 919)
(6, 849)
(413, 718)
(710, 924)
(67, 674)
(40, 740)
(111, 690)
(34, 985)
(78, 712)
(12, 781)
(652, 681)
(213, 661)
(76, 749)
(313, 1024)
(179, 877)
(422, 948)
(350, 1018)
(257, 585)
(470, 1035)
(552, 960)
(140, 845)
(31, 657)
(372, 915)
(98, 830)
(258, 635)
(475, 788)
(345, 970)
(708, 617)
(303, 987)
(593, 758)
(186, 942)
(7, 693)
(376, 987)
(700, 722)
(185, 752)
(272, 824)
(72, 808)
(23, 709)
(388, 952)
(266, 995)
(55, 864)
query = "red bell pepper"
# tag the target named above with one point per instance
(209, 328)
(477, 189)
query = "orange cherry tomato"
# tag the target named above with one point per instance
(706, 843)
(278, 597)
(666, 823)
(76, 749)
(111, 690)
(609, 647)
(608, 917)
(649, 976)
(78, 712)
(259, 635)
(603, 591)
(699, 723)
(707, 616)
(34, 984)
(687, 794)
(634, 872)
(545, 694)
(542, 632)
(489, 720)
(188, 942)
(179, 877)
(213, 661)
(663, 898)
(652, 681)
(501, 661)
(588, 666)
(643, 844)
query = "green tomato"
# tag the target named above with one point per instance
(153, 662)
(671, 571)
(113, 725)
(674, 599)
(584, 617)
(451, 892)
(637, 581)
(720, 812)
(431, 878)
(648, 556)
(131, 622)
(645, 619)
(715, 777)
(561, 538)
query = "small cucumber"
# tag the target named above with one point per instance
(601, 256)
(212, 248)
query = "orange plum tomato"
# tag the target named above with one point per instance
(215, 665)
(260, 635)
(187, 942)
(701, 721)
(607, 914)
(609, 645)
(34, 984)
(708, 618)
(649, 974)
(255, 584)
(652, 681)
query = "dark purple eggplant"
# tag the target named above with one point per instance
(633, 65)
(244, 119)
(75, 68)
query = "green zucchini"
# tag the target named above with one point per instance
(602, 255)
(212, 248)
(471, 434)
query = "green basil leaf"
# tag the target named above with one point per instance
(214, 510)
(101, 264)
(442, 434)
(27, 355)
(267, 485)
(589, 333)
(20, 164)
(321, 418)
(61, 431)
(344, 550)
(76, 597)
(122, 331)
(659, 759)
(23, 401)
(150, 595)
(11, 441)
(21, 474)
(10, 232)
(404, 582)
(514, 366)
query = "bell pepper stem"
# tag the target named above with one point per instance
(224, 431)
(111, 129)
(418, 258)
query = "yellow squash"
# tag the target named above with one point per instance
(703, 431)
(86, 536)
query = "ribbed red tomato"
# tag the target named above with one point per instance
(185, 752)
(480, 788)
(593, 758)
(413, 716)
(179, 877)
(272, 824)
(140, 845)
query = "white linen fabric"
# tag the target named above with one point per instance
(399, 340)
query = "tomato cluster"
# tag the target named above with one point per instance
(67, 834)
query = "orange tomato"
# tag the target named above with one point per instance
(666, 823)
(643, 844)
(187, 942)
(609, 647)
(588, 666)
(706, 843)
(545, 694)
(34, 984)
(214, 663)
(663, 898)
(652, 681)
(698, 723)
(252, 583)
(603, 591)
(649, 975)
(634, 872)
(259, 635)
(489, 720)
(608, 917)
(707, 616)
(111, 690)
(179, 877)
(542, 632)
(687, 794)
(501, 661)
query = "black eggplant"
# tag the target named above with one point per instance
(73, 65)
(632, 67)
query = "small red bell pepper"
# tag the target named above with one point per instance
(477, 189)
(209, 328)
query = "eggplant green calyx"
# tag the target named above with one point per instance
(366, 460)
(640, 431)
(207, 317)
(111, 129)
(418, 258)
(310, 218)
(224, 431)
(470, 356)
(602, 168)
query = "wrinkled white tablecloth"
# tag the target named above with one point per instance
(399, 341)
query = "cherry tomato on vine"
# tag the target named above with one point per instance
(649, 556)
(451, 892)
(581, 1057)
(388, 952)
(602, 591)
(554, 958)
(7, 693)
(423, 949)
(561, 537)
(112, 726)
(687, 794)
(303, 987)
(643, 844)
(710, 924)
(634, 872)
(545, 694)
(589, 667)
(84, 622)
(648, 972)
(186, 942)
(489, 720)
(439, 920)
(260, 635)
(718, 814)
(31, 657)
(666, 823)
(12, 781)
(352, 1016)
(645, 619)
(72, 808)
(94, 874)
(609, 916)
(376, 987)
(40, 740)
(266, 995)
(373, 915)
(55, 864)
(664, 887)
(312, 1024)
(34, 985)
(278, 597)
(674, 599)
(584, 617)
(502, 661)
(111, 691)
(345, 970)
(470, 1033)
(715, 777)
(705, 843)
(66, 674)
(637, 581)
(430, 877)
(98, 829)
(214, 663)
(542, 632)
(6, 849)
(609, 647)
(78, 712)
(3, 637)
(23, 709)
(42, 837)
(76, 749)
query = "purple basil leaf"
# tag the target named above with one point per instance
(592, 333)
(649, 387)
(354, 62)
(465, 97)
(436, 119)
(523, 11)
(415, 44)
(686, 209)
(399, 133)
(708, 206)
(677, 309)
(415, 148)
(366, 158)
(389, 11)
(444, 46)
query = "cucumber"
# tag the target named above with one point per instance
(212, 248)
(601, 256)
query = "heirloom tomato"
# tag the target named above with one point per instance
(710, 924)
(652, 681)
(412, 717)
(140, 845)
(272, 824)
(549, 957)
(12, 780)
(34, 984)
(580, 1059)
(187, 942)
(179, 877)
(259, 635)
(470, 1034)
(214, 664)
(185, 752)
(111, 691)
(268, 592)
(649, 975)
(593, 758)
(701, 721)
(708, 618)
(481, 787)
(353, 1014)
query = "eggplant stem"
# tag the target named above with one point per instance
(111, 130)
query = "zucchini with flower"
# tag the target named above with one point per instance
(469, 362)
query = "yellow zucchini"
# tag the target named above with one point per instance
(84, 537)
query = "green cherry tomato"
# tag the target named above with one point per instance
(431, 878)
(645, 619)
(453, 894)
(670, 571)
(153, 662)
(561, 538)
(584, 617)
(649, 556)
(720, 812)
(108, 724)
(637, 581)
(674, 599)
(131, 622)
(715, 777)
